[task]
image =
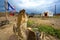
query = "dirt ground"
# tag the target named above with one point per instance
(6, 31)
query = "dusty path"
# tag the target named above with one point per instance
(6, 31)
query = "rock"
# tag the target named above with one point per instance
(31, 35)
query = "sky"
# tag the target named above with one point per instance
(2, 6)
(33, 6)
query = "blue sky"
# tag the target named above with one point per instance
(35, 6)
(2, 6)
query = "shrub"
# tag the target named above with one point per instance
(49, 30)
(57, 33)
(46, 29)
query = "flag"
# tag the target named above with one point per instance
(8, 6)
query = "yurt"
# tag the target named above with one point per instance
(47, 14)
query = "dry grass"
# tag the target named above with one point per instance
(55, 22)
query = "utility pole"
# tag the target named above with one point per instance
(55, 9)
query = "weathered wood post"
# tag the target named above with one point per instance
(22, 25)
(6, 7)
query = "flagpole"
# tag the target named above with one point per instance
(6, 7)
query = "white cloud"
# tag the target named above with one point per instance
(34, 3)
